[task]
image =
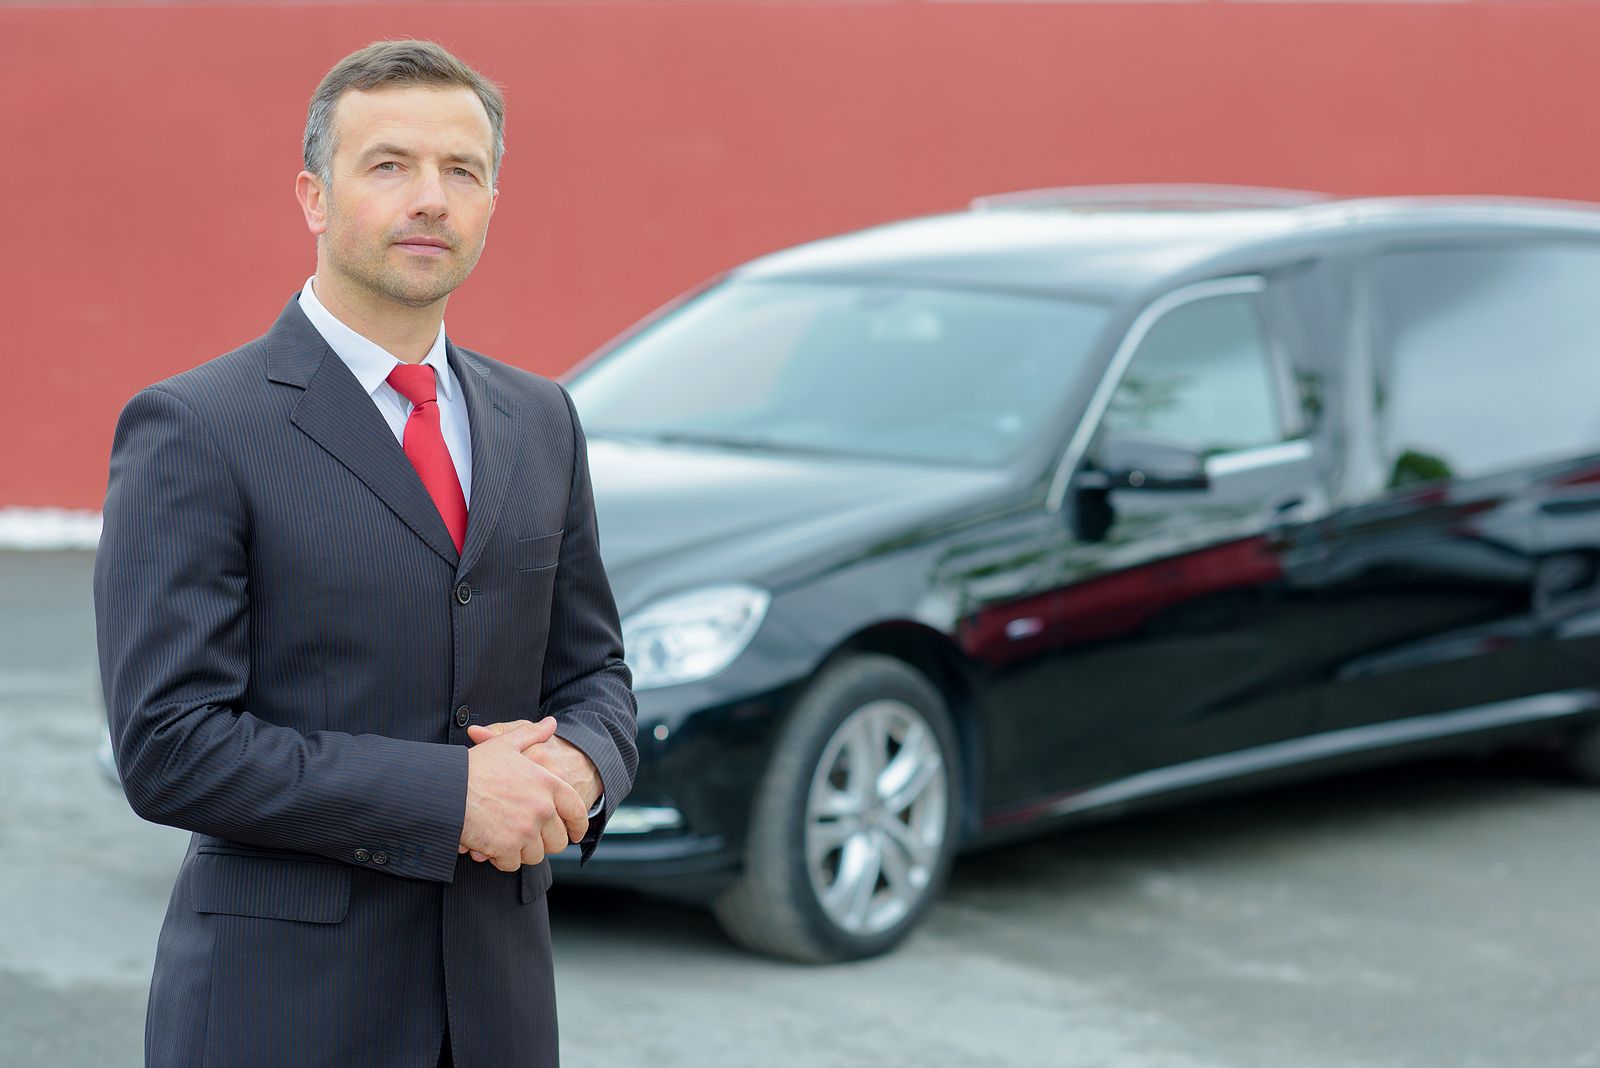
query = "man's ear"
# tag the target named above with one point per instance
(313, 198)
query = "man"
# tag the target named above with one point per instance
(343, 570)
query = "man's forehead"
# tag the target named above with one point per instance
(364, 115)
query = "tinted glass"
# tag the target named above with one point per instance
(1201, 378)
(873, 370)
(1487, 359)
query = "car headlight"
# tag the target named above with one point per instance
(692, 635)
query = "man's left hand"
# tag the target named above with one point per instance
(557, 755)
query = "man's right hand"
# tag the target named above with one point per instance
(517, 810)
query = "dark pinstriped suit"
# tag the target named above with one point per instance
(287, 640)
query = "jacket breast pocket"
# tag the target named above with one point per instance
(539, 552)
(269, 887)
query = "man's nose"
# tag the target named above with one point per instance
(427, 195)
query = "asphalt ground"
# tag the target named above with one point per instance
(1438, 915)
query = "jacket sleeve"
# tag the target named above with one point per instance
(171, 588)
(587, 686)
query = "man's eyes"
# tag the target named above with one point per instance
(390, 167)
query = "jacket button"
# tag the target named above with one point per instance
(463, 716)
(464, 593)
(380, 857)
(363, 856)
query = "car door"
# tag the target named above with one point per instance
(1173, 617)
(1470, 531)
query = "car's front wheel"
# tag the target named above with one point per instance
(856, 823)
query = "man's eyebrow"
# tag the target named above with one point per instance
(467, 157)
(386, 149)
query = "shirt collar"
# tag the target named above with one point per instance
(367, 360)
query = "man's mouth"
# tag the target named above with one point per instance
(426, 246)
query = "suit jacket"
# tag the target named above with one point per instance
(292, 649)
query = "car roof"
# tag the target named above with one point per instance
(1110, 241)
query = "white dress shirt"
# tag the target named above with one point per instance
(371, 364)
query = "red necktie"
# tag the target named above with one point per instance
(424, 446)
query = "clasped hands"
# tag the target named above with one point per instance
(528, 793)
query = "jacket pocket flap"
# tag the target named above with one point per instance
(271, 888)
(536, 879)
(543, 551)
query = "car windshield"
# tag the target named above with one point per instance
(875, 370)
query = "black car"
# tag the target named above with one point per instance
(957, 528)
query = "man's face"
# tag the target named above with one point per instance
(408, 209)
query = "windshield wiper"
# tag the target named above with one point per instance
(747, 444)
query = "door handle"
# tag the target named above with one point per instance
(1285, 514)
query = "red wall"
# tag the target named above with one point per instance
(150, 152)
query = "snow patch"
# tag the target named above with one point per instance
(48, 528)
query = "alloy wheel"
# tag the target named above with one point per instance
(877, 814)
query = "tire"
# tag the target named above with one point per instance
(817, 831)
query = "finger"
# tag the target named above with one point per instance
(479, 857)
(574, 830)
(547, 755)
(482, 732)
(462, 848)
(554, 836)
(507, 863)
(533, 853)
(569, 804)
(525, 734)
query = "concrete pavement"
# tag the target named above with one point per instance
(1433, 915)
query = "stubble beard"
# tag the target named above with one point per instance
(373, 269)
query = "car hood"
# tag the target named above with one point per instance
(673, 516)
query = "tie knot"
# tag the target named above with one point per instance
(414, 382)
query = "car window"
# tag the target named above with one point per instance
(1486, 359)
(880, 370)
(1202, 378)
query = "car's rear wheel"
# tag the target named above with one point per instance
(856, 823)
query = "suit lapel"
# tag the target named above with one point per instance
(336, 413)
(492, 419)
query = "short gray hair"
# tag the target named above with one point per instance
(384, 64)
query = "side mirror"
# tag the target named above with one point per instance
(1142, 463)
